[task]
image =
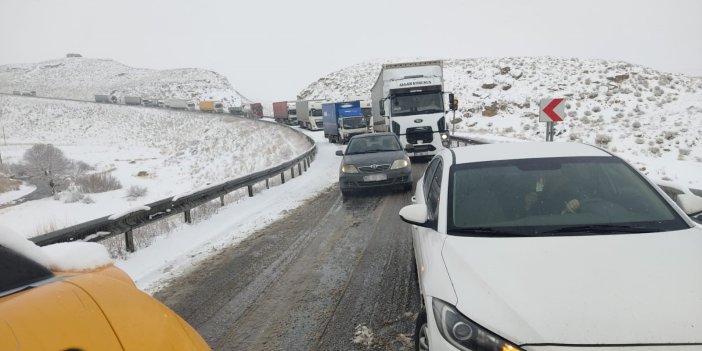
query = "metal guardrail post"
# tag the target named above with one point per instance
(129, 240)
(292, 171)
(304, 164)
(299, 168)
(221, 200)
(267, 186)
(282, 177)
(188, 218)
(250, 190)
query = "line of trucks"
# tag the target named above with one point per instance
(251, 110)
(406, 99)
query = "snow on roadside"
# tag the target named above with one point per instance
(167, 152)
(168, 257)
(10, 196)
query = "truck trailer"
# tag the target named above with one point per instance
(132, 100)
(253, 110)
(180, 104)
(342, 120)
(211, 106)
(309, 114)
(409, 98)
(102, 98)
(284, 112)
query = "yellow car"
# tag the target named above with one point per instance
(99, 310)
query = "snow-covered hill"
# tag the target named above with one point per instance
(630, 109)
(166, 152)
(81, 78)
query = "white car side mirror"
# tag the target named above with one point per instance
(414, 214)
(690, 204)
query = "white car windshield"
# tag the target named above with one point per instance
(555, 196)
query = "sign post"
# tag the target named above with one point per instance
(551, 111)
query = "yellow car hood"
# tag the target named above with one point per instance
(100, 310)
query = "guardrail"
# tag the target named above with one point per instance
(110, 226)
(462, 140)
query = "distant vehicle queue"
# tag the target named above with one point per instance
(250, 110)
(407, 99)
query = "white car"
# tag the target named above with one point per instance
(551, 246)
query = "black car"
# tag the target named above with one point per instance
(372, 161)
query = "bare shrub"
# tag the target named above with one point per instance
(97, 183)
(603, 139)
(7, 184)
(136, 191)
(70, 195)
(46, 164)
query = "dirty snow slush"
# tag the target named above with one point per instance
(334, 274)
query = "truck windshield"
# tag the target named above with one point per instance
(292, 112)
(218, 105)
(354, 122)
(366, 111)
(417, 104)
(316, 113)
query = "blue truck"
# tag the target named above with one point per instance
(342, 120)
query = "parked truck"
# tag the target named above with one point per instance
(342, 120)
(409, 98)
(132, 100)
(253, 110)
(236, 110)
(284, 112)
(102, 98)
(211, 106)
(309, 114)
(179, 104)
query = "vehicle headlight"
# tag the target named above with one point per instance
(463, 333)
(397, 164)
(444, 136)
(349, 169)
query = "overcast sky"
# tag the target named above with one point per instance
(271, 49)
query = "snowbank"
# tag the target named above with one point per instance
(63, 257)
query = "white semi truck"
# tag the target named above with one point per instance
(309, 114)
(409, 97)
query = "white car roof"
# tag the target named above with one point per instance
(515, 151)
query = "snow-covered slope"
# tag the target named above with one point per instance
(167, 152)
(630, 109)
(81, 78)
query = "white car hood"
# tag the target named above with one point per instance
(613, 289)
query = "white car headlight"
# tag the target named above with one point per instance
(444, 136)
(463, 333)
(349, 169)
(397, 164)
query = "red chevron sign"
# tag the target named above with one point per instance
(551, 110)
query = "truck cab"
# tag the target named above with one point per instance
(343, 120)
(292, 113)
(409, 97)
(315, 117)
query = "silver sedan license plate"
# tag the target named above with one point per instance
(375, 177)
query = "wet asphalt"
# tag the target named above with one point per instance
(332, 267)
